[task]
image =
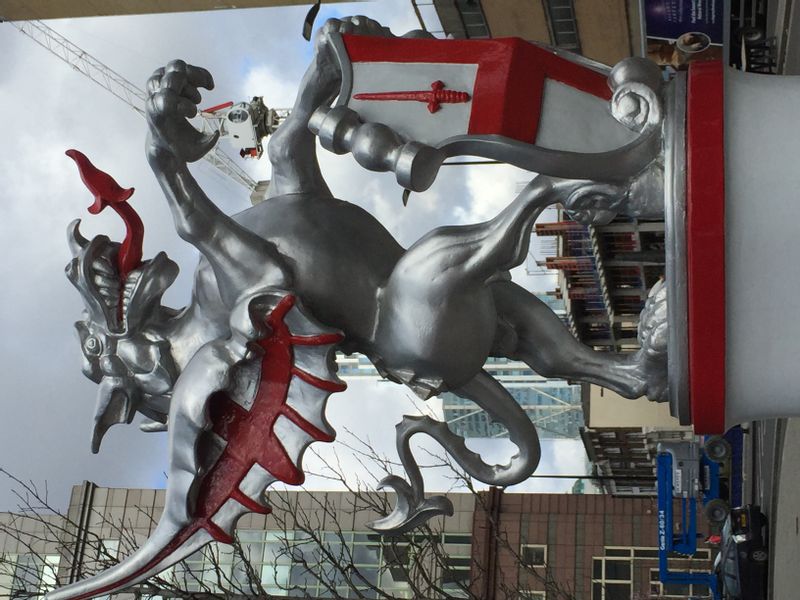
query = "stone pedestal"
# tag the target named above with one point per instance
(733, 204)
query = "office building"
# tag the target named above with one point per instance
(586, 546)
(497, 546)
(621, 438)
(606, 31)
(554, 405)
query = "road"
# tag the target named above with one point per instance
(772, 480)
(784, 509)
(775, 445)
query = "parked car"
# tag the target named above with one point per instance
(743, 561)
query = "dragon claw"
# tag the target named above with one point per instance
(410, 511)
(653, 332)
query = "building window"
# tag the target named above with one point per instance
(563, 26)
(675, 590)
(457, 538)
(532, 595)
(288, 561)
(612, 575)
(473, 18)
(108, 551)
(534, 555)
(29, 574)
(455, 575)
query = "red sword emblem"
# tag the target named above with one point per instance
(435, 97)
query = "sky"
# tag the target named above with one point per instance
(47, 107)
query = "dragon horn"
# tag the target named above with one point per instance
(75, 239)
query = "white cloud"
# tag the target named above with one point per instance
(278, 90)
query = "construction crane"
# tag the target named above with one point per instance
(230, 119)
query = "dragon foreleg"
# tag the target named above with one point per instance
(242, 261)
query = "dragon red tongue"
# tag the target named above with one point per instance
(107, 192)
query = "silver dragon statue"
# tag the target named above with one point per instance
(241, 375)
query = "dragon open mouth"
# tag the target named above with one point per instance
(120, 299)
(115, 292)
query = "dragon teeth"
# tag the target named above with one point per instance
(102, 265)
(128, 289)
(101, 280)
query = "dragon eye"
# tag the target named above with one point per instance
(92, 346)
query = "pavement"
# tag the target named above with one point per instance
(774, 470)
(783, 510)
(787, 30)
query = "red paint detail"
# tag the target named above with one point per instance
(317, 340)
(218, 533)
(107, 192)
(507, 99)
(305, 425)
(438, 95)
(130, 252)
(705, 245)
(250, 439)
(249, 503)
(281, 309)
(328, 386)
(250, 433)
(214, 109)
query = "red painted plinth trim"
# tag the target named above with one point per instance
(705, 245)
(507, 99)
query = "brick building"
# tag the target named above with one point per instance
(586, 547)
(497, 546)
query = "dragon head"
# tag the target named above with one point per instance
(122, 340)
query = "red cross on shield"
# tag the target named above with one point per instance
(506, 87)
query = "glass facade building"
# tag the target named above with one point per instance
(553, 405)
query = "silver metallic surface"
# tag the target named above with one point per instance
(653, 335)
(255, 482)
(675, 230)
(428, 316)
(377, 147)
(412, 507)
(307, 399)
(636, 83)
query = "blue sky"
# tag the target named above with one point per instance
(47, 107)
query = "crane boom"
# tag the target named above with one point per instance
(113, 82)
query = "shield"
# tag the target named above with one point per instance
(507, 99)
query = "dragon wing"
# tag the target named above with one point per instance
(243, 412)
